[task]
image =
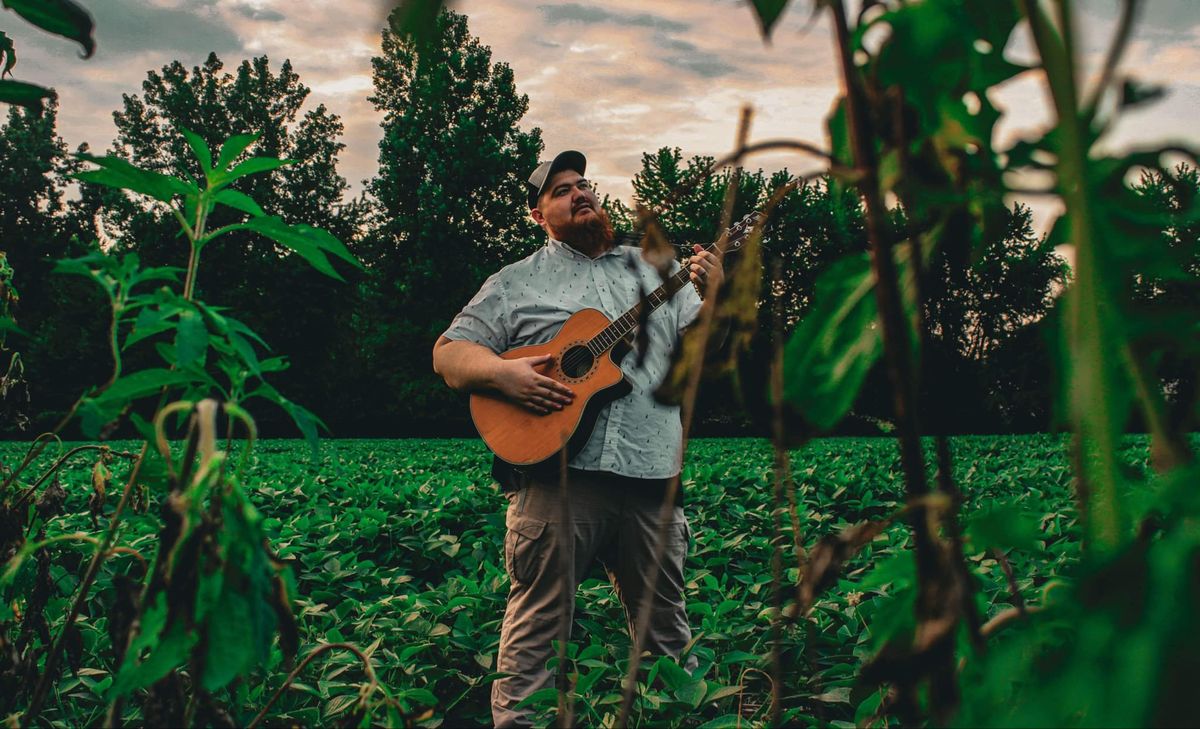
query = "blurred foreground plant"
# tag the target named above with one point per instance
(205, 607)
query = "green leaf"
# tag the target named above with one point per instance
(150, 321)
(200, 149)
(833, 348)
(693, 693)
(239, 201)
(252, 166)
(98, 411)
(232, 148)
(8, 324)
(717, 692)
(116, 172)
(305, 420)
(20, 93)
(144, 382)
(545, 697)
(1002, 526)
(8, 54)
(673, 675)
(209, 593)
(168, 646)
(338, 704)
(60, 17)
(230, 641)
(311, 243)
(419, 696)
(245, 352)
(191, 339)
(768, 12)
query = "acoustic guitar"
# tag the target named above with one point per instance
(586, 352)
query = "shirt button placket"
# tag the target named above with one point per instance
(601, 283)
(607, 460)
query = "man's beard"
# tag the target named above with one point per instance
(594, 232)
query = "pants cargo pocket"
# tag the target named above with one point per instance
(523, 548)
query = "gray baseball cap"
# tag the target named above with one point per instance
(569, 160)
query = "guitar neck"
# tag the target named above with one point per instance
(626, 323)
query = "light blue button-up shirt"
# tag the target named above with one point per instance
(527, 302)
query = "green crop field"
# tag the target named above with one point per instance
(396, 546)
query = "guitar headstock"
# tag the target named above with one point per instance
(740, 231)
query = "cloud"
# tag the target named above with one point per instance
(592, 15)
(615, 80)
(678, 77)
(259, 13)
(134, 27)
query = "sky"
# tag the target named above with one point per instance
(614, 79)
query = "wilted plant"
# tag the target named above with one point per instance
(212, 598)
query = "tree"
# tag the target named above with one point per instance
(65, 333)
(449, 203)
(295, 308)
(1166, 285)
(973, 308)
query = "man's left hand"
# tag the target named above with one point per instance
(704, 266)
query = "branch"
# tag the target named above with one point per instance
(372, 683)
(1115, 51)
(707, 313)
(1005, 618)
(29, 492)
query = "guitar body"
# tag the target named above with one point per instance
(524, 438)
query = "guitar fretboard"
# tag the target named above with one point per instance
(625, 323)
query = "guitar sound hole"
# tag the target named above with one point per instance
(576, 361)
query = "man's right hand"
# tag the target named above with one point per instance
(520, 381)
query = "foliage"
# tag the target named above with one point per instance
(310, 312)
(60, 17)
(915, 121)
(212, 599)
(973, 308)
(393, 545)
(62, 319)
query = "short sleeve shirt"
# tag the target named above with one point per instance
(527, 303)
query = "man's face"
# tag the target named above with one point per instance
(567, 202)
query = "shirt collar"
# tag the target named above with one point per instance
(566, 249)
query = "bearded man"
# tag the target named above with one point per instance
(617, 480)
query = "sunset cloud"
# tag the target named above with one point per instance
(614, 80)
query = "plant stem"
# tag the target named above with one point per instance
(372, 683)
(1092, 376)
(49, 672)
(895, 337)
(687, 407)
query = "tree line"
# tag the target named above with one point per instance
(445, 210)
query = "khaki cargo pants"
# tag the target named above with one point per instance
(614, 519)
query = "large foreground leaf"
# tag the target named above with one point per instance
(23, 94)
(60, 17)
(835, 346)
